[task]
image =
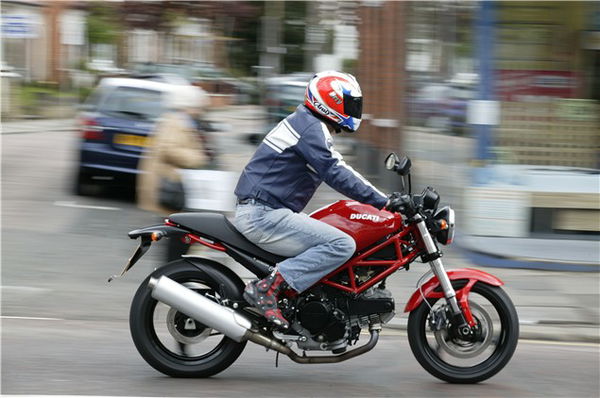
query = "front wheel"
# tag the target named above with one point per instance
(447, 356)
(175, 344)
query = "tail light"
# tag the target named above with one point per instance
(90, 130)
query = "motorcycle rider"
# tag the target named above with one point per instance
(282, 176)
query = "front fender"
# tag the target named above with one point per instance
(428, 289)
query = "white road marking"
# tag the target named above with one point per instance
(24, 289)
(527, 322)
(78, 206)
(31, 318)
(563, 343)
(73, 396)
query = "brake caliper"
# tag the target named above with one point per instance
(438, 319)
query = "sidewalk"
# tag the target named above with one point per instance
(37, 126)
(547, 254)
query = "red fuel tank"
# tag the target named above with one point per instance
(363, 222)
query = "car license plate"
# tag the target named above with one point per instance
(129, 139)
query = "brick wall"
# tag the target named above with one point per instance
(381, 73)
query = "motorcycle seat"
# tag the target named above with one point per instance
(217, 227)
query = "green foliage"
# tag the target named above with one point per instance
(32, 97)
(102, 26)
(349, 65)
(243, 50)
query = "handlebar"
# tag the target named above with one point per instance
(410, 205)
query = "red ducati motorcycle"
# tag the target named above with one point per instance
(189, 319)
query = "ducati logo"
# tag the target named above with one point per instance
(357, 216)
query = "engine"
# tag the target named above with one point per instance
(322, 319)
(330, 320)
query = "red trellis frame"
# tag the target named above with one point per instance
(390, 266)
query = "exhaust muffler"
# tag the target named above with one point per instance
(234, 325)
(209, 313)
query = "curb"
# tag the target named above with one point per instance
(70, 128)
(537, 331)
(497, 261)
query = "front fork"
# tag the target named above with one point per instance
(440, 272)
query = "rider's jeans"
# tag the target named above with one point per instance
(315, 248)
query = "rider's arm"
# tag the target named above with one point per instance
(316, 146)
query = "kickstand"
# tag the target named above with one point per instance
(277, 359)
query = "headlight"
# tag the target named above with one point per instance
(445, 217)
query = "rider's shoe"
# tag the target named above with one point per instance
(262, 294)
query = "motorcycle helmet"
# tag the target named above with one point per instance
(336, 98)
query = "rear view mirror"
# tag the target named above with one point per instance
(399, 165)
(404, 166)
(391, 161)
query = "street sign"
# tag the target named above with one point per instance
(17, 26)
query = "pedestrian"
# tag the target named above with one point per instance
(282, 176)
(175, 144)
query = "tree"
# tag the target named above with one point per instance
(102, 24)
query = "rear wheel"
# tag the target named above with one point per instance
(175, 344)
(448, 356)
(83, 184)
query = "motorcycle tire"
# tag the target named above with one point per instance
(507, 340)
(142, 319)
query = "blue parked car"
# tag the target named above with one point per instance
(114, 124)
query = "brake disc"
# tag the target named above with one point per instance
(184, 329)
(463, 348)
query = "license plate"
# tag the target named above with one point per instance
(129, 139)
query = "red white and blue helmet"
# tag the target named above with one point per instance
(336, 97)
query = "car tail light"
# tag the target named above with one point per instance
(90, 130)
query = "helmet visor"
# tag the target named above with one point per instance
(353, 106)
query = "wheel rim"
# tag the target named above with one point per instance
(451, 352)
(181, 337)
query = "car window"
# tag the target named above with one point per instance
(133, 102)
(94, 99)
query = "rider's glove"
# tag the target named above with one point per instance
(397, 202)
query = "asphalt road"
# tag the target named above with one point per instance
(58, 250)
(97, 358)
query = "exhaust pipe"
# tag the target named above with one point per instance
(234, 325)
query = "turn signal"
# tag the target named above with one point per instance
(155, 236)
(443, 225)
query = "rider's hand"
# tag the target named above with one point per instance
(396, 202)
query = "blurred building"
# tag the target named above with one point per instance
(42, 38)
(191, 41)
(544, 63)
(382, 75)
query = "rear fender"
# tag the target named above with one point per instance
(148, 235)
(430, 289)
(210, 267)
